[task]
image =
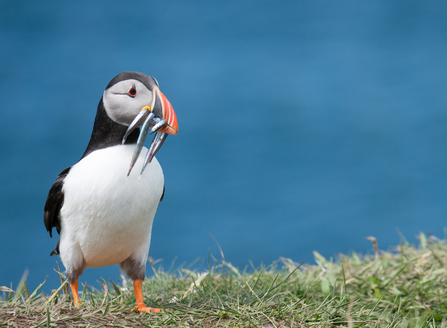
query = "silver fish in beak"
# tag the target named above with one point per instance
(159, 117)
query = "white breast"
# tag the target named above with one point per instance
(107, 215)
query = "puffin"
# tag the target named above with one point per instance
(104, 205)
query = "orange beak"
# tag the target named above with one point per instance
(162, 109)
(167, 113)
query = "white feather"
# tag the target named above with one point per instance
(107, 215)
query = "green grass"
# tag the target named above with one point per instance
(404, 287)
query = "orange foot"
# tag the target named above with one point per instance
(143, 308)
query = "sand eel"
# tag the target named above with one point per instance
(104, 205)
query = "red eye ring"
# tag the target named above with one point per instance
(132, 92)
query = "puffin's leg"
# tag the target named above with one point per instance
(74, 290)
(73, 260)
(135, 269)
(72, 277)
(137, 285)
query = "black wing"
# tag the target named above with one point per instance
(163, 194)
(54, 203)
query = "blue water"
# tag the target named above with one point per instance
(303, 125)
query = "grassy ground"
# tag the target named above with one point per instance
(405, 287)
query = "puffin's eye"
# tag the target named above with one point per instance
(132, 91)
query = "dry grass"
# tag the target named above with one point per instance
(404, 287)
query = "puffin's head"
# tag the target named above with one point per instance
(129, 93)
(134, 100)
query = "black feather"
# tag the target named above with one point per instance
(54, 203)
(149, 81)
(56, 250)
(163, 194)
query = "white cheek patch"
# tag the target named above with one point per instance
(121, 107)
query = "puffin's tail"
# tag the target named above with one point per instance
(56, 250)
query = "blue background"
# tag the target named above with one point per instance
(303, 125)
